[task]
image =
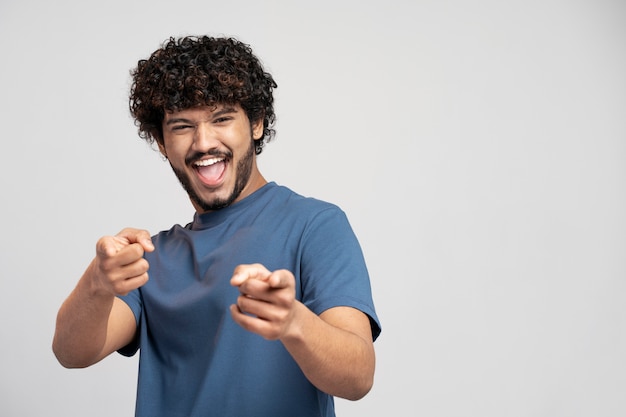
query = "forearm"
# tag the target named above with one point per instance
(336, 361)
(81, 326)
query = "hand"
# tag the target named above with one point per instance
(267, 302)
(119, 266)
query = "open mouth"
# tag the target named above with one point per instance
(211, 170)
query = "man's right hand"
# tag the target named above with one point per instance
(92, 322)
(119, 266)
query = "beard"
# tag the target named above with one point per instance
(243, 171)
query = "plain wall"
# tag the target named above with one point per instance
(478, 148)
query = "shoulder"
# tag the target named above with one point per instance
(285, 196)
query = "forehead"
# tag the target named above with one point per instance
(202, 112)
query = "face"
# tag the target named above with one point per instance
(211, 150)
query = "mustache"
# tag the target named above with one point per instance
(190, 159)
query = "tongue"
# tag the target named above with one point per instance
(211, 174)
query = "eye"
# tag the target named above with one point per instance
(181, 127)
(223, 119)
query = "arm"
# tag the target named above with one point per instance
(92, 322)
(334, 350)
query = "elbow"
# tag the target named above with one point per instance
(363, 381)
(359, 390)
(63, 359)
(70, 363)
(354, 389)
(67, 359)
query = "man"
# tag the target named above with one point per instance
(261, 306)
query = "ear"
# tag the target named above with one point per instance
(257, 129)
(162, 149)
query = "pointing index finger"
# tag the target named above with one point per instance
(245, 272)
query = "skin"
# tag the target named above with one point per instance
(334, 350)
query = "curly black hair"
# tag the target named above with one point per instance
(196, 71)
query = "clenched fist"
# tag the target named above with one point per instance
(119, 266)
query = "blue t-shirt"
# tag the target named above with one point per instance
(195, 360)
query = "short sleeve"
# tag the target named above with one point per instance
(133, 300)
(333, 269)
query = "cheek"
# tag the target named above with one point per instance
(173, 150)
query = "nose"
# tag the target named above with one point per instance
(205, 138)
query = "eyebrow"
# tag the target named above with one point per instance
(218, 113)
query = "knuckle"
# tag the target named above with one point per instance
(119, 288)
(106, 265)
(135, 250)
(145, 266)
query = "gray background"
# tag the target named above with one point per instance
(478, 147)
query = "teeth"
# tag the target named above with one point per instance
(208, 162)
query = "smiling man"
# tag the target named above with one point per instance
(191, 144)
(261, 305)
